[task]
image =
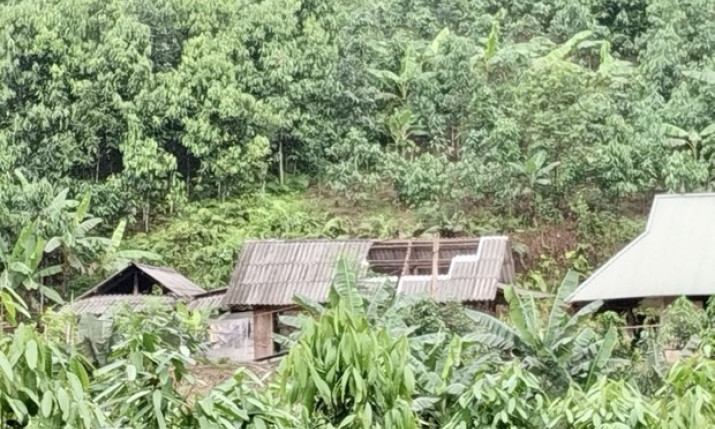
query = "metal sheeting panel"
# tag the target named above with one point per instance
(272, 272)
(210, 300)
(471, 278)
(172, 280)
(103, 303)
(673, 257)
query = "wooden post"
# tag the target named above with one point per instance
(408, 255)
(435, 267)
(136, 282)
(262, 334)
(280, 161)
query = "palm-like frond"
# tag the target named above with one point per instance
(496, 333)
(523, 315)
(308, 305)
(581, 314)
(707, 76)
(345, 283)
(558, 309)
(84, 227)
(82, 208)
(603, 356)
(566, 48)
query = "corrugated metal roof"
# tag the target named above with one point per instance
(101, 304)
(172, 280)
(471, 278)
(272, 272)
(209, 300)
(673, 257)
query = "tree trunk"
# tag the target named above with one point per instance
(145, 215)
(96, 173)
(280, 161)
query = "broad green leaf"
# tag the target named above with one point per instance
(31, 352)
(46, 404)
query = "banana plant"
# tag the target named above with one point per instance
(74, 240)
(561, 347)
(699, 144)
(534, 172)
(113, 258)
(23, 271)
(411, 69)
(403, 128)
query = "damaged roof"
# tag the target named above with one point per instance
(272, 272)
(471, 278)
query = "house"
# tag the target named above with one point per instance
(673, 257)
(140, 285)
(270, 273)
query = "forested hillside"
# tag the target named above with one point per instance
(171, 131)
(530, 113)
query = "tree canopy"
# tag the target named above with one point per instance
(515, 104)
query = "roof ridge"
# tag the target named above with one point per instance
(156, 267)
(685, 195)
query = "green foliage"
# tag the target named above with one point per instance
(480, 115)
(149, 354)
(686, 398)
(344, 373)
(680, 321)
(149, 105)
(42, 386)
(561, 346)
(510, 397)
(237, 403)
(365, 359)
(606, 404)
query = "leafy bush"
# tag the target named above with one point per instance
(680, 321)
(344, 373)
(562, 346)
(150, 352)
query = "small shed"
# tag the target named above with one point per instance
(270, 273)
(673, 257)
(136, 285)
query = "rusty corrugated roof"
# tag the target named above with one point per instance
(272, 272)
(673, 257)
(101, 304)
(471, 278)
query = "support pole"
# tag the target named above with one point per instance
(435, 267)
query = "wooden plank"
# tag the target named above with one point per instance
(262, 334)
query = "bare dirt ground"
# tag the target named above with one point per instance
(208, 376)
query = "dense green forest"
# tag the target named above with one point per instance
(472, 116)
(524, 108)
